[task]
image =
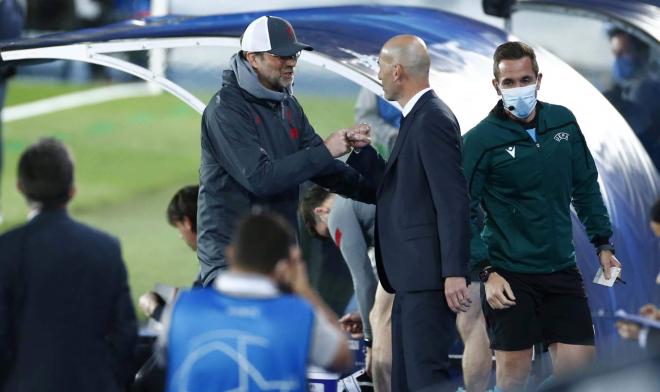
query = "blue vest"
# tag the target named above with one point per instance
(218, 342)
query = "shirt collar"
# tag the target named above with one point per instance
(409, 106)
(245, 285)
(36, 210)
(33, 213)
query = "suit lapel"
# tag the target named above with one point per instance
(406, 123)
(403, 131)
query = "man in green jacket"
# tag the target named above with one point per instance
(525, 163)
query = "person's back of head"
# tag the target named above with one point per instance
(46, 174)
(405, 64)
(184, 206)
(261, 240)
(313, 198)
(182, 214)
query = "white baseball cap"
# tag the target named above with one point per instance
(271, 34)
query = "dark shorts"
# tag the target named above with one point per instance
(550, 308)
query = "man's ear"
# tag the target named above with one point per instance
(496, 86)
(397, 72)
(538, 81)
(252, 59)
(187, 223)
(282, 272)
(72, 191)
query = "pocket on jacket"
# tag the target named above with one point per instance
(423, 230)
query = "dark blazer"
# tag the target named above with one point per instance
(422, 220)
(66, 318)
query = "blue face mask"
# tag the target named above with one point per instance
(623, 68)
(519, 101)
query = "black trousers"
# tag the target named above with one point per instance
(422, 329)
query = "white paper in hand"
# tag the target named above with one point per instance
(600, 276)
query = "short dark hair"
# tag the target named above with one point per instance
(184, 205)
(261, 240)
(513, 51)
(640, 48)
(45, 173)
(313, 197)
(655, 212)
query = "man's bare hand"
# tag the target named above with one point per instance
(359, 136)
(650, 311)
(498, 292)
(607, 261)
(352, 323)
(456, 292)
(291, 274)
(299, 279)
(148, 303)
(337, 143)
(628, 330)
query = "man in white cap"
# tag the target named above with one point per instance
(258, 146)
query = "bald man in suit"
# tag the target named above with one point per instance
(422, 219)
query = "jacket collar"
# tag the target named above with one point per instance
(247, 79)
(50, 214)
(244, 284)
(420, 102)
(411, 104)
(229, 79)
(406, 122)
(499, 117)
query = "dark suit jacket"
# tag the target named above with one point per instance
(66, 318)
(422, 220)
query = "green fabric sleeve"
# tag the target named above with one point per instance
(586, 197)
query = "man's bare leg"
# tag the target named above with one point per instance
(512, 369)
(477, 356)
(569, 358)
(381, 352)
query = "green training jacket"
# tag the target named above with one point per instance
(526, 188)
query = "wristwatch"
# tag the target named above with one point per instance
(485, 273)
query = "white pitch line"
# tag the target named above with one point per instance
(74, 100)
